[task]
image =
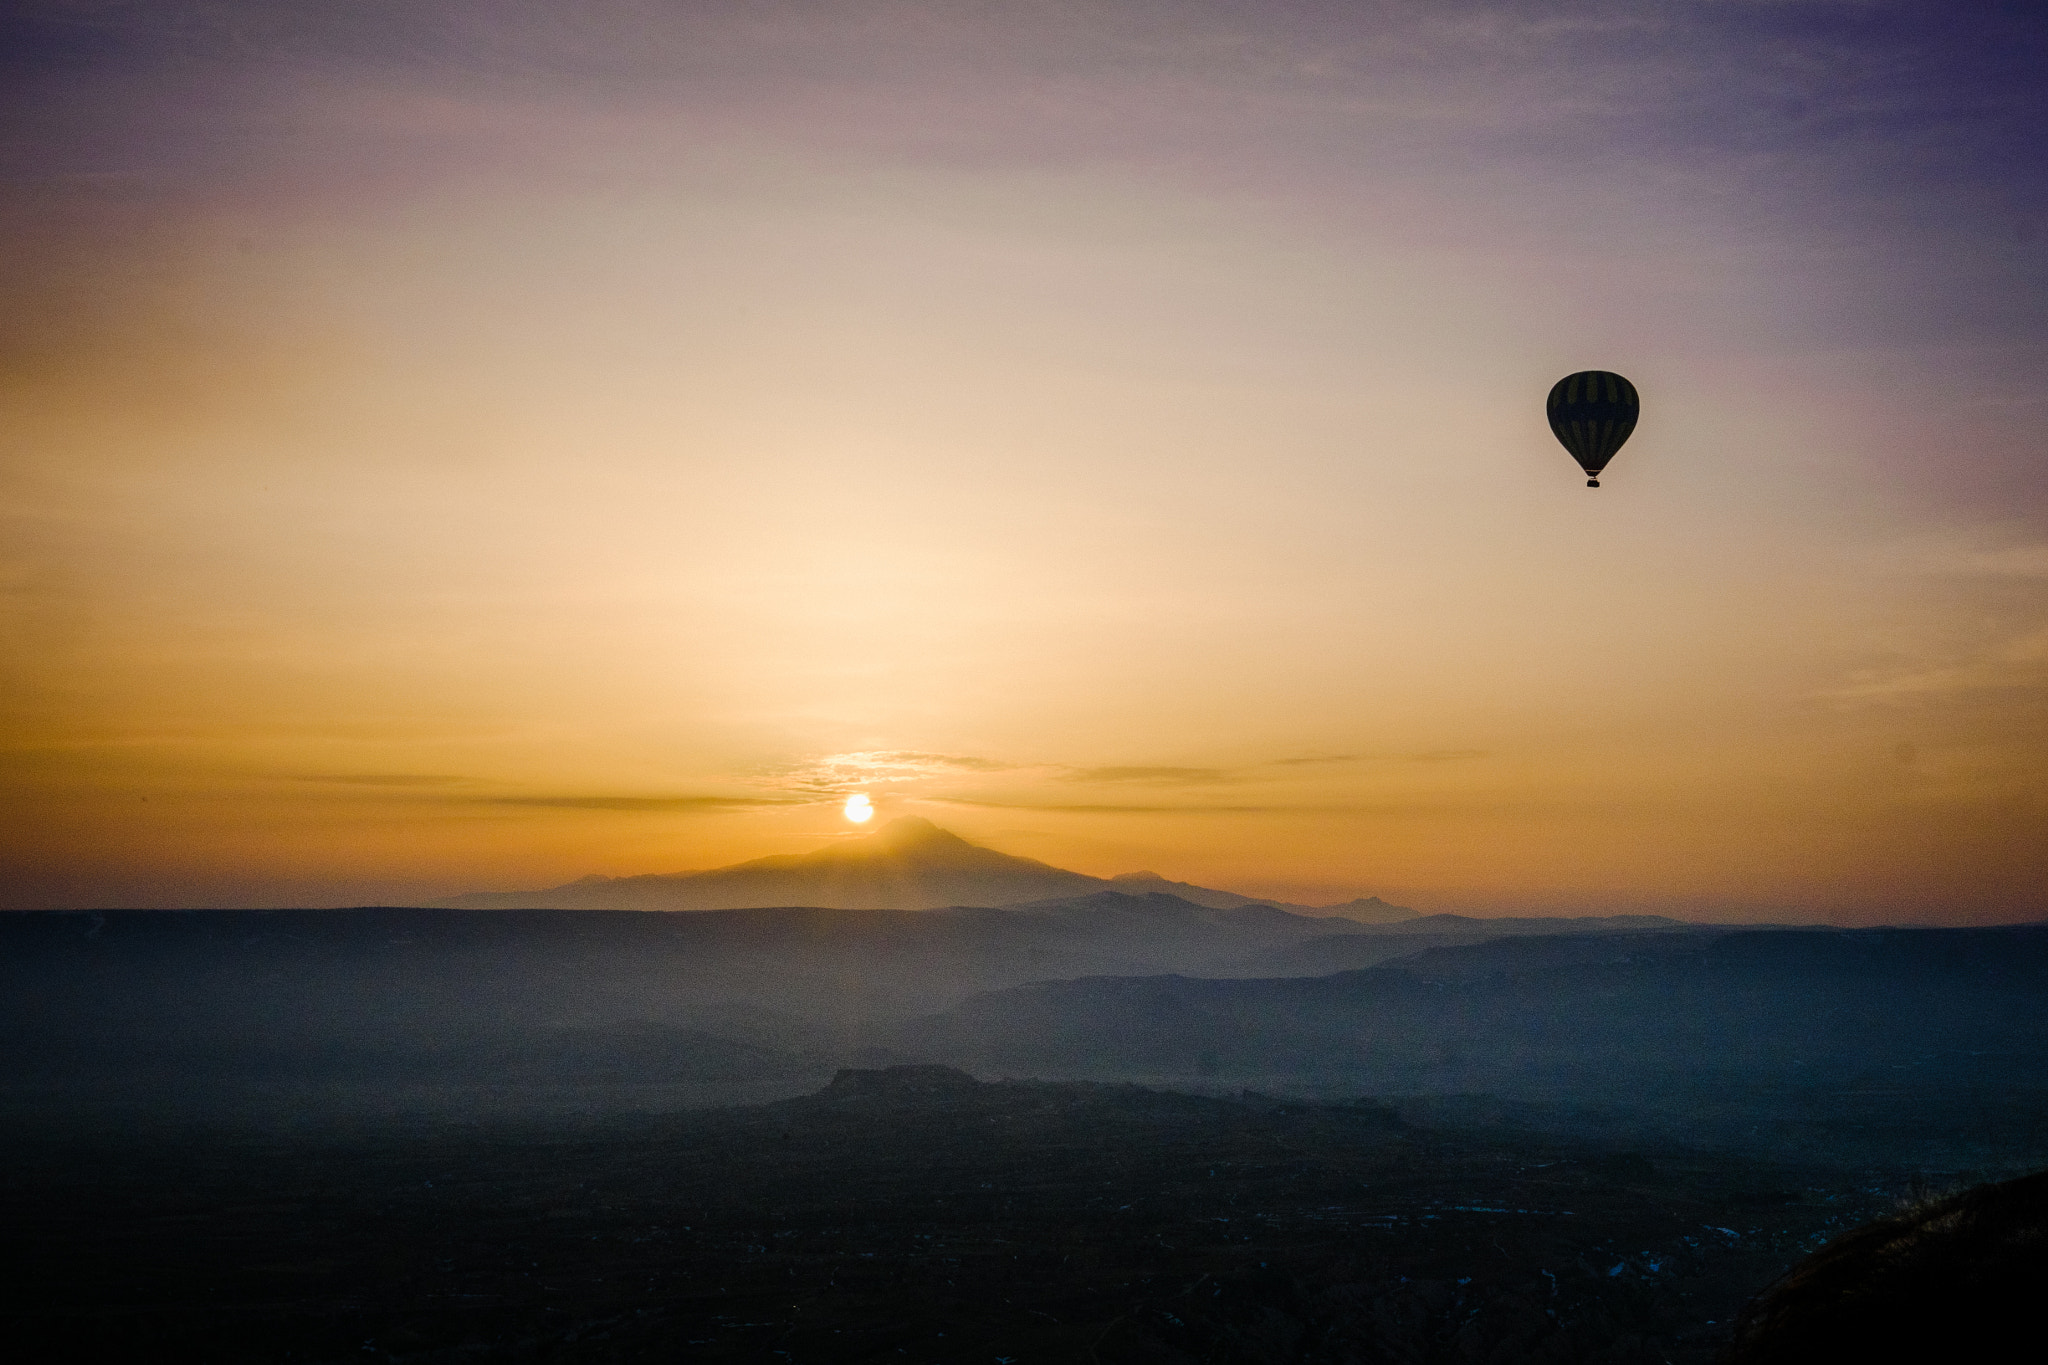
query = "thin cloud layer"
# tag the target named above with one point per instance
(638, 803)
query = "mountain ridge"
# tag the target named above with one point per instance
(909, 864)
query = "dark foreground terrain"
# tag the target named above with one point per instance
(463, 1135)
(910, 1214)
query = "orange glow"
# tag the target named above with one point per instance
(487, 509)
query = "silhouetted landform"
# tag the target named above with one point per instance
(1957, 1278)
(459, 1135)
(1363, 910)
(899, 1215)
(1473, 926)
(243, 982)
(1929, 1045)
(135, 982)
(1723, 1033)
(909, 864)
(1145, 883)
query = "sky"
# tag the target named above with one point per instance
(455, 445)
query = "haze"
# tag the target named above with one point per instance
(456, 446)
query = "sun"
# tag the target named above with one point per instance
(859, 809)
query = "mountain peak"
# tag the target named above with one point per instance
(908, 864)
(1142, 883)
(1368, 910)
(909, 831)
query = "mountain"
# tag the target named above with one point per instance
(1395, 919)
(351, 983)
(1851, 1037)
(1364, 910)
(1148, 883)
(399, 996)
(1368, 910)
(909, 864)
(1834, 1033)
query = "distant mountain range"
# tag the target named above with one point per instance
(1829, 1016)
(1712, 1027)
(909, 864)
(257, 990)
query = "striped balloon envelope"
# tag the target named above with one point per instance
(1592, 413)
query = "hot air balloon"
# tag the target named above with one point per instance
(1592, 413)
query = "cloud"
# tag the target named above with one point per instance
(1100, 808)
(641, 803)
(383, 779)
(1151, 774)
(961, 762)
(2018, 663)
(1422, 756)
(835, 773)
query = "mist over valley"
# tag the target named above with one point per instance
(837, 1130)
(1719, 1033)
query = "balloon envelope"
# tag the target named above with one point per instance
(1592, 413)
